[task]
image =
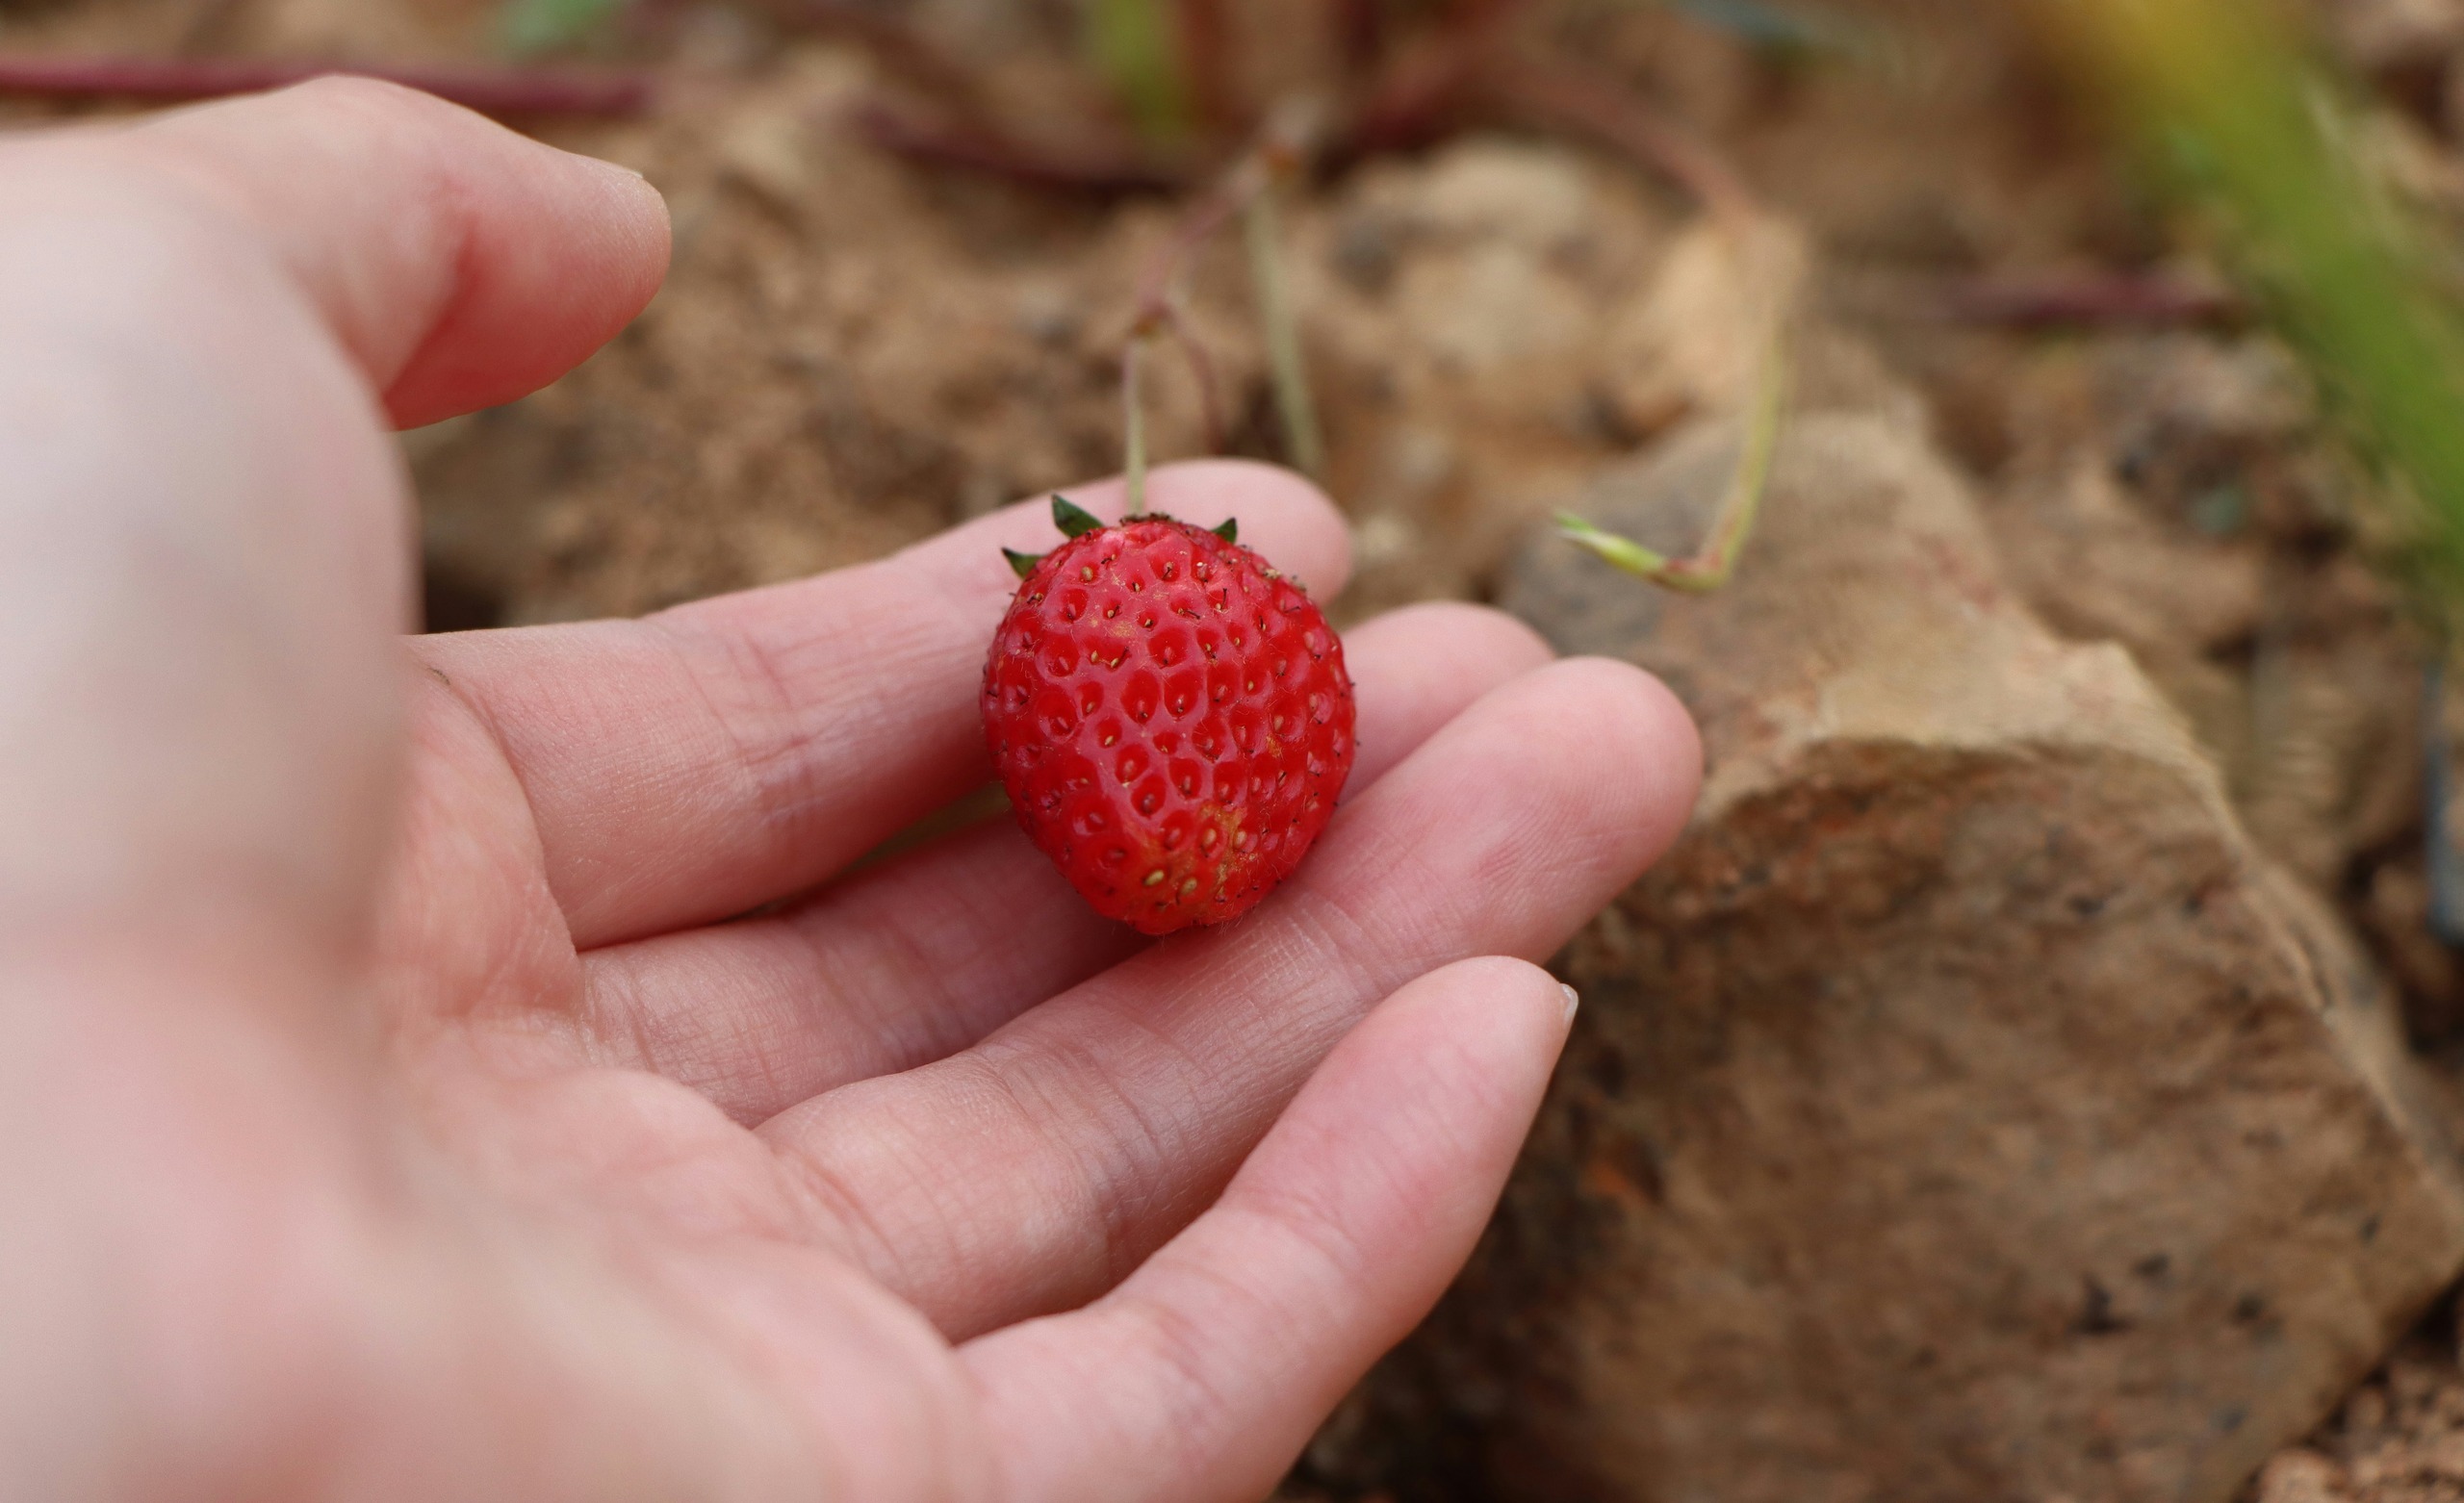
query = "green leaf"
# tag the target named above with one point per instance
(1073, 520)
(1025, 563)
(1230, 531)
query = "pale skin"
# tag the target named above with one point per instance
(394, 1100)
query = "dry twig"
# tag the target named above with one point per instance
(2065, 302)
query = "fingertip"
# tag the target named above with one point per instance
(1510, 1012)
(1453, 1064)
(600, 243)
(460, 264)
(634, 223)
(1644, 753)
(1508, 976)
(1418, 668)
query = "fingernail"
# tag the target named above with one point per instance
(1573, 1000)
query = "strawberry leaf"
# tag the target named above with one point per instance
(1025, 563)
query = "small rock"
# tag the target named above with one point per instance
(1965, 1108)
(1492, 189)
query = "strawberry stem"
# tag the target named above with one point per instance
(1133, 423)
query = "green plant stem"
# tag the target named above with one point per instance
(1133, 423)
(1262, 230)
(1740, 505)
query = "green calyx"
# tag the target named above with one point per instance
(1073, 520)
(1076, 521)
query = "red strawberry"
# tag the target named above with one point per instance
(1170, 716)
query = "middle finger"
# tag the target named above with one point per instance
(917, 959)
(1032, 1172)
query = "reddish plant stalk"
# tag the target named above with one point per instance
(1210, 390)
(1360, 35)
(996, 154)
(497, 91)
(1565, 95)
(1424, 89)
(1280, 151)
(1228, 197)
(1158, 309)
(2064, 302)
(1206, 60)
(1418, 98)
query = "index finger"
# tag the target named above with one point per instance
(459, 265)
(699, 763)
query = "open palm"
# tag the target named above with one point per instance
(395, 1099)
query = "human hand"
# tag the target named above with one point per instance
(392, 1102)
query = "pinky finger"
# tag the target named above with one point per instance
(1201, 1377)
